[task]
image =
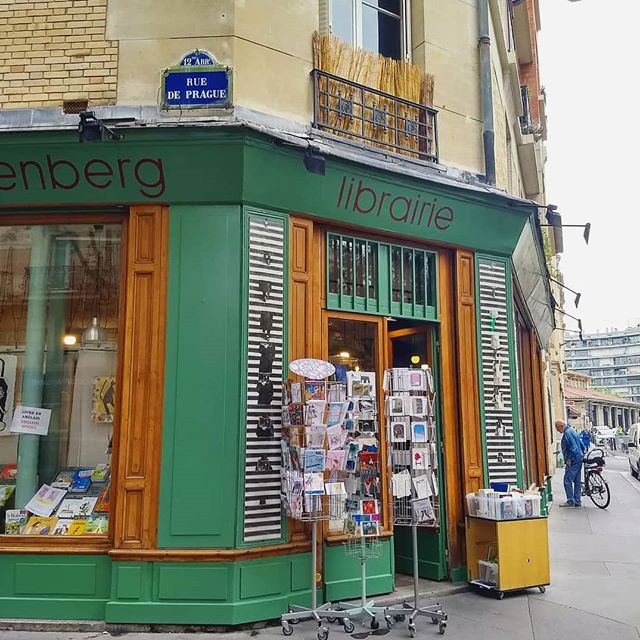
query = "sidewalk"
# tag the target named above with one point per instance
(594, 595)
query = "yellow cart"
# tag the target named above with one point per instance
(519, 547)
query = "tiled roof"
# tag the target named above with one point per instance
(570, 393)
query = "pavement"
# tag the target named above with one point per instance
(594, 594)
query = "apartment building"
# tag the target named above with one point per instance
(193, 196)
(611, 358)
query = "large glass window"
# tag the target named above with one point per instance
(375, 25)
(59, 298)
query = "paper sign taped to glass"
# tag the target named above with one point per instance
(312, 368)
(32, 420)
(104, 399)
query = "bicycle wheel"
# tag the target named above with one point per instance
(598, 490)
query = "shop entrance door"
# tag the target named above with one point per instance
(414, 346)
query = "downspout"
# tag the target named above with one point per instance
(488, 134)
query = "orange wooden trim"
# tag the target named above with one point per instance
(141, 398)
(539, 424)
(54, 544)
(210, 555)
(450, 418)
(468, 385)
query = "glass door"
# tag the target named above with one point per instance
(413, 346)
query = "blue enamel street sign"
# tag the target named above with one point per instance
(197, 83)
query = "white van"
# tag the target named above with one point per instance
(634, 450)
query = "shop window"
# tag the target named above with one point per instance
(380, 278)
(59, 309)
(374, 25)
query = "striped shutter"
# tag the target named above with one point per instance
(497, 398)
(262, 513)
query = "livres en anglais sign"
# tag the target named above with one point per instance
(198, 82)
(31, 420)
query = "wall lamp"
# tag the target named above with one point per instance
(555, 220)
(92, 129)
(314, 161)
(564, 313)
(564, 286)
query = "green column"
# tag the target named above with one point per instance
(32, 377)
(53, 380)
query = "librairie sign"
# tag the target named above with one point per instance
(198, 82)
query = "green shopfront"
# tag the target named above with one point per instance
(131, 278)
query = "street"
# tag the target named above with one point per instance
(595, 572)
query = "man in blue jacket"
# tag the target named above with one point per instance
(572, 454)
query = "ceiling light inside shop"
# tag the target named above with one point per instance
(69, 340)
(344, 354)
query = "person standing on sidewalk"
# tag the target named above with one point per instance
(572, 454)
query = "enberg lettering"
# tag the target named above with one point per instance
(405, 209)
(146, 175)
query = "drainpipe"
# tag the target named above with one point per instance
(488, 134)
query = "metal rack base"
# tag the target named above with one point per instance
(398, 613)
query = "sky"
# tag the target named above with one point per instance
(589, 68)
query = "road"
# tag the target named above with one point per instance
(594, 592)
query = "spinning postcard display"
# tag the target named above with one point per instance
(330, 452)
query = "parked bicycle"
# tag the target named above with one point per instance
(594, 485)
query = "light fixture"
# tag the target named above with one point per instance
(92, 129)
(564, 286)
(94, 334)
(345, 354)
(415, 359)
(314, 161)
(555, 220)
(356, 368)
(69, 339)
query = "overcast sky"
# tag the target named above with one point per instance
(589, 68)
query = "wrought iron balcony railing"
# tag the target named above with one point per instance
(351, 110)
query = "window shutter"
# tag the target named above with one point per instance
(325, 16)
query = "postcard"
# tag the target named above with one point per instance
(396, 406)
(313, 460)
(370, 528)
(368, 459)
(77, 527)
(335, 460)
(97, 524)
(422, 487)
(315, 437)
(296, 414)
(370, 483)
(423, 510)
(40, 526)
(15, 521)
(295, 392)
(369, 506)
(62, 527)
(434, 483)
(335, 489)
(398, 431)
(417, 406)
(401, 484)
(6, 491)
(45, 500)
(361, 383)
(315, 390)
(419, 459)
(336, 436)
(314, 483)
(316, 413)
(336, 413)
(418, 432)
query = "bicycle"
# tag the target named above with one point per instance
(594, 485)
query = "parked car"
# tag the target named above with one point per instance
(603, 434)
(634, 450)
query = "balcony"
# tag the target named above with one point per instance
(374, 118)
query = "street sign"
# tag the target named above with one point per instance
(198, 82)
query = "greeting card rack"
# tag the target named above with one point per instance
(305, 494)
(413, 458)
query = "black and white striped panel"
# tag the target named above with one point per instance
(497, 399)
(262, 513)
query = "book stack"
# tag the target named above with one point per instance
(330, 448)
(412, 445)
(75, 503)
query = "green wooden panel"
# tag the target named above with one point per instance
(128, 582)
(301, 572)
(431, 553)
(256, 580)
(56, 587)
(342, 573)
(199, 486)
(404, 206)
(178, 581)
(179, 165)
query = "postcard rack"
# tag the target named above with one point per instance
(306, 496)
(413, 459)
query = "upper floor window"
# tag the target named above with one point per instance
(375, 25)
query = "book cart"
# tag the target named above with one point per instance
(413, 458)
